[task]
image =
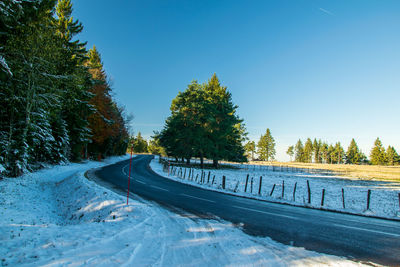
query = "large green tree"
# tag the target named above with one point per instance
(308, 151)
(378, 154)
(140, 144)
(250, 148)
(353, 154)
(299, 151)
(290, 152)
(204, 123)
(266, 146)
(392, 156)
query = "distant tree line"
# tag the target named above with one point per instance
(321, 152)
(55, 98)
(265, 148)
(204, 124)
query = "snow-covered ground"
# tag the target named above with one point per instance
(56, 217)
(384, 196)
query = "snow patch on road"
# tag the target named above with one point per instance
(56, 217)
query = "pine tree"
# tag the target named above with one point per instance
(75, 108)
(331, 157)
(353, 154)
(316, 150)
(378, 154)
(266, 146)
(204, 123)
(139, 144)
(155, 148)
(324, 152)
(250, 148)
(299, 151)
(392, 157)
(45, 88)
(338, 154)
(290, 152)
(308, 151)
(224, 127)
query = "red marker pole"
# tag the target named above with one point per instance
(129, 177)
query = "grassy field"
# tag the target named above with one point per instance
(367, 172)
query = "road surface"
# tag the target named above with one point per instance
(355, 237)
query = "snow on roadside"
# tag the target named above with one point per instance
(56, 217)
(384, 200)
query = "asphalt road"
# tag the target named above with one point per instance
(356, 237)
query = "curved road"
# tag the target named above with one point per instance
(355, 237)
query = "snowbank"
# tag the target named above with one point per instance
(56, 217)
(291, 188)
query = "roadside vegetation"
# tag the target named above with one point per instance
(56, 100)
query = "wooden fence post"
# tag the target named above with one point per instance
(259, 188)
(236, 187)
(184, 175)
(208, 180)
(343, 198)
(283, 189)
(251, 189)
(272, 191)
(368, 198)
(323, 197)
(399, 201)
(309, 192)
(247, 179)
(213, 180)
(294, 191)
(223, 182)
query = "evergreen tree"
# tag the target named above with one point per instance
(250, 148)
(324, 152)
(75, 95)
(139, 144)
(392, 157)
(224, 128)
(204, 123)
(316, 151)
(45, 88)
(338, 154)
(290, 152)
(378, 154)
(299, 151)
(331, 157)
(155, 148)
(353, 154)
(308, 151)
(266, 147)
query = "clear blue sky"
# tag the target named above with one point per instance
(325, 69)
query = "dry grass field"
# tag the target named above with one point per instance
(366, 172)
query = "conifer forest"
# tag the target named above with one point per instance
(56, 100)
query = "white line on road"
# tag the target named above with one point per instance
(366, 230)
(160, 188)
(269, 213)
(199, 198)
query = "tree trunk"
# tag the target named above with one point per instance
(215, 163)
(188, 161)
(201, 161)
